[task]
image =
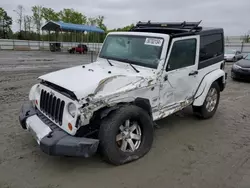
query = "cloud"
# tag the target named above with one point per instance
(231, 15)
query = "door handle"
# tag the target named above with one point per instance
(193, 73)
(165, 77)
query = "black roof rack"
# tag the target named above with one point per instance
(188, 26)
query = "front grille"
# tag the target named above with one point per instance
(52, 106)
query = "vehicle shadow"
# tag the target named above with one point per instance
(177, 119)
(241, 80)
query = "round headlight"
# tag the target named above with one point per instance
(72, 109)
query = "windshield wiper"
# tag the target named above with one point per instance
(133, 67)
(110, 62)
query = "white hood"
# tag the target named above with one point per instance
(88, 79)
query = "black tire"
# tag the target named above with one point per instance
(201, 111)
(110, 127)
(234, 59)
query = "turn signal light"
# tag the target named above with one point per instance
(70, 126)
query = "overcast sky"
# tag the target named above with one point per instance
(232, 15)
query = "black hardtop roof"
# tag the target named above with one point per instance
(175, 28)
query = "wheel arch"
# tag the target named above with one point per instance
(143, 103)
(215, 76)
(103, 112)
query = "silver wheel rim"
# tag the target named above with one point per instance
(129, 136)
(211, 100)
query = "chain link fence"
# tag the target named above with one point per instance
(26, 45)
(236, 43)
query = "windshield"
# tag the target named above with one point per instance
(138, 50)
(248, 57)
(230, 51)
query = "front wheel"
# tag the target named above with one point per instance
(126, 134)
(210, 105)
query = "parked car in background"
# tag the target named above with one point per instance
(55, 46)
(233, 55)
(241, 69)
(81, 48)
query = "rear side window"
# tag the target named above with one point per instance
(211, 46)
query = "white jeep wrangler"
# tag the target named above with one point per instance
(140, 76)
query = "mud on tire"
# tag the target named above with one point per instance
(110, 130)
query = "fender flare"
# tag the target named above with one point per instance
(140, 102)
(205, 85)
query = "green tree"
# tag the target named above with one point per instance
(27, 23)
(37, 17)
(99, 22)
(92, 21)
(49, 14)
(126, 28)
(2, 12)
(5, 23)
(72, 16)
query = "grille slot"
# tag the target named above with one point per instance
(52, 106)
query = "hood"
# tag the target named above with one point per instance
(90, 79)
(244, 63)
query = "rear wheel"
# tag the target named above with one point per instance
(126, 135)
(210, 105)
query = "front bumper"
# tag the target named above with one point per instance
(52, 139)
(240, 74)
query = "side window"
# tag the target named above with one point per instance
(211, 46)
(182, 54)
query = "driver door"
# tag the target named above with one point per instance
(180, 77)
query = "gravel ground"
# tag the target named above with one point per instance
(187, 152)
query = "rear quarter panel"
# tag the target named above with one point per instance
(205, 85)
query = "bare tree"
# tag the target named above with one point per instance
(37, 18)
(25, 25)
(28, 23)
(19, 12)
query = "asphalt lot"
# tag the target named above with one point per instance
(187, 152)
